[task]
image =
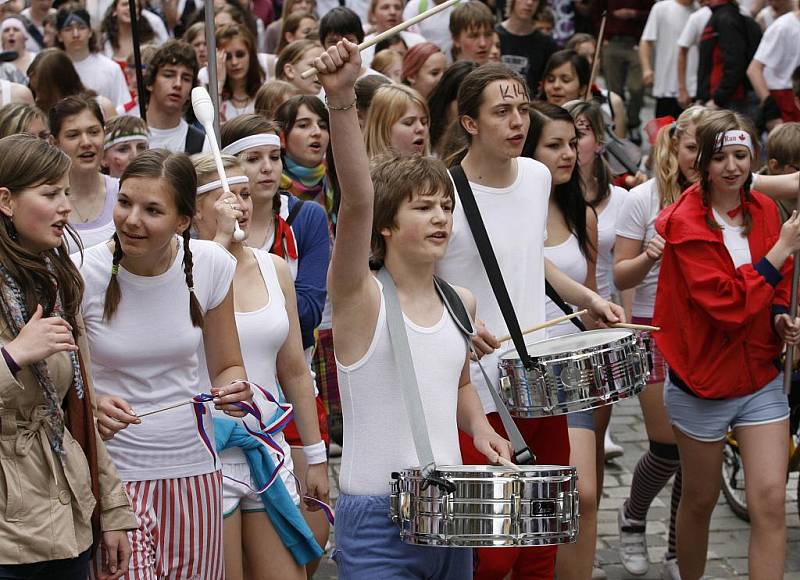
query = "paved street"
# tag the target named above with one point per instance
(729, 535)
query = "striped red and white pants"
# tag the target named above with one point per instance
(180, 529)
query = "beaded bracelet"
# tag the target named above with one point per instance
(346, 108)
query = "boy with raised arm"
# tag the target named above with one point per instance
(404, 221)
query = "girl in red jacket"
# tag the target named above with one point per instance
(721, 303)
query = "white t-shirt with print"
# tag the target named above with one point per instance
(147, 355)
(779, 51)
(665, 23)
(516, 221)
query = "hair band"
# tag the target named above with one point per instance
(252, 141)
(115, 269)
(111, 141)
(74, 18)
(736, 137)
(9, 23)
(211, 186)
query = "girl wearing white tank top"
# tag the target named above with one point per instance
(269, 334)
(571, 245)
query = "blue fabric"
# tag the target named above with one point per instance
(283, 513)
(314, 254)
(368, 546)
(768, 271)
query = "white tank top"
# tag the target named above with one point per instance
(568, 258)
(5, 92)
(606, 236)
(377, 433)
(262, 333)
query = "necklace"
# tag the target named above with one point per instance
(78, 212)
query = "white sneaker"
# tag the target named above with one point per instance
(612, 449)
(632, 545)
(670, 570)
(597, 572)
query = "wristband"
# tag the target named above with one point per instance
(10, 362)
(316, 453)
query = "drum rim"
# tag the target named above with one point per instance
(627, 334)
(497, 470)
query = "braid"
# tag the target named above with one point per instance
(194, 306)
(276, 203)
(113, 291)
(747, 219)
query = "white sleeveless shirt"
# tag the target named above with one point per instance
(568, 258)
(377, 432)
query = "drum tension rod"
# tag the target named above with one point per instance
(443, 484)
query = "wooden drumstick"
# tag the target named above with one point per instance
(393, 30)
(547, 324)
(503, 461)
(645, 327)
(167, 408)
(596, 59)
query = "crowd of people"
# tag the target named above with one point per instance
(172, 390)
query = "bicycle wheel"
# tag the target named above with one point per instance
(733, 484)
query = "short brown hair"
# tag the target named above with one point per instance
(272, 95)
(783, 144)
(468, 15)
(396, 178)
(176, 52)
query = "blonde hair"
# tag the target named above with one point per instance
(669, 179)
(387, 108)
(384, 59)
(272, 95)
(783, 144)
(206, 167)
(292, 54)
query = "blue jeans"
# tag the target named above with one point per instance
(68, 569)
(368, 546)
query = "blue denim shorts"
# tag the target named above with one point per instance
(581, 420)
(710, 419)
(368, 546)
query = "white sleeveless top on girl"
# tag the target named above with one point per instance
(738, 245)
(147, 355)
(636, 220)
(377, 432)
(568, 258)
(606, 236)
(101, 228)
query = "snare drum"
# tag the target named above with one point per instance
(574, 373)
(491, 506)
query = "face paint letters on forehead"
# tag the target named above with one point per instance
(512, 91)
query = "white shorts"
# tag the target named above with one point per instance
(236, 495)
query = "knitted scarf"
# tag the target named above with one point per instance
(307, 183)
(17, 313)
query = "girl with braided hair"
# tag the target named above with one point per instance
(58, 468)
(721, 303)
(153, 296)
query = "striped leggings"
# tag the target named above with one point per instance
(180, 529)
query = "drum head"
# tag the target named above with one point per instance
(572, 342)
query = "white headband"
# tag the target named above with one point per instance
(9, 23)
(252, 141)
(736, 137)
(125, 139)
(235, 180)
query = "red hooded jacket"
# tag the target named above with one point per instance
(716, 321)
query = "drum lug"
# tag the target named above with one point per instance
(405, 506)
(444, 502)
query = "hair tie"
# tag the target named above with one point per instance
(115, 269)
(191, 289)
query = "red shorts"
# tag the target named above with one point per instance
(785, 99)
(548, 439)
(293, 436)
(659, 371)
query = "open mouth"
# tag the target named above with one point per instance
(133, 237)
(87, 156)
(419, 143)
(438, 236)
(315, 147)
(58, 228)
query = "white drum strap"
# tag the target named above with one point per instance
(408, 378)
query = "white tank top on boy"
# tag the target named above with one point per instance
(147, 355)
(568, 258)
(516, 222)
(606, 236)
(377, 434)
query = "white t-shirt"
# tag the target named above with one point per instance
(636, 221)
(102, 228)
(105, 77)
(410, 38)
(568, 258)
(516, 221)
(147, 355)
(377, 432)
(436, 28)
(737, 245)
(173, 139)
(779, 51)
(664, 24)
(606, 236)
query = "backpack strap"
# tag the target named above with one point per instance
(455, 306)
(294, 211)
(194, 140)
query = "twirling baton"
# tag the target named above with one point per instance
(788, 363)
(392, 31)
(204, 111)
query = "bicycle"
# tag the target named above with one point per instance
(733, 479)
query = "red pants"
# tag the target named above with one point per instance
(547, 438)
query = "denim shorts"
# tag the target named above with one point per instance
(581, 420)
(709, 419)
(368, 546)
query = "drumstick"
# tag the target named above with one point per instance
(645, 327)
(503, 461)
(167, 408)
(547, 324)
(204, 111)
(392, 31)
(596, 59)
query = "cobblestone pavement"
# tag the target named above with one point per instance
(727, 557)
